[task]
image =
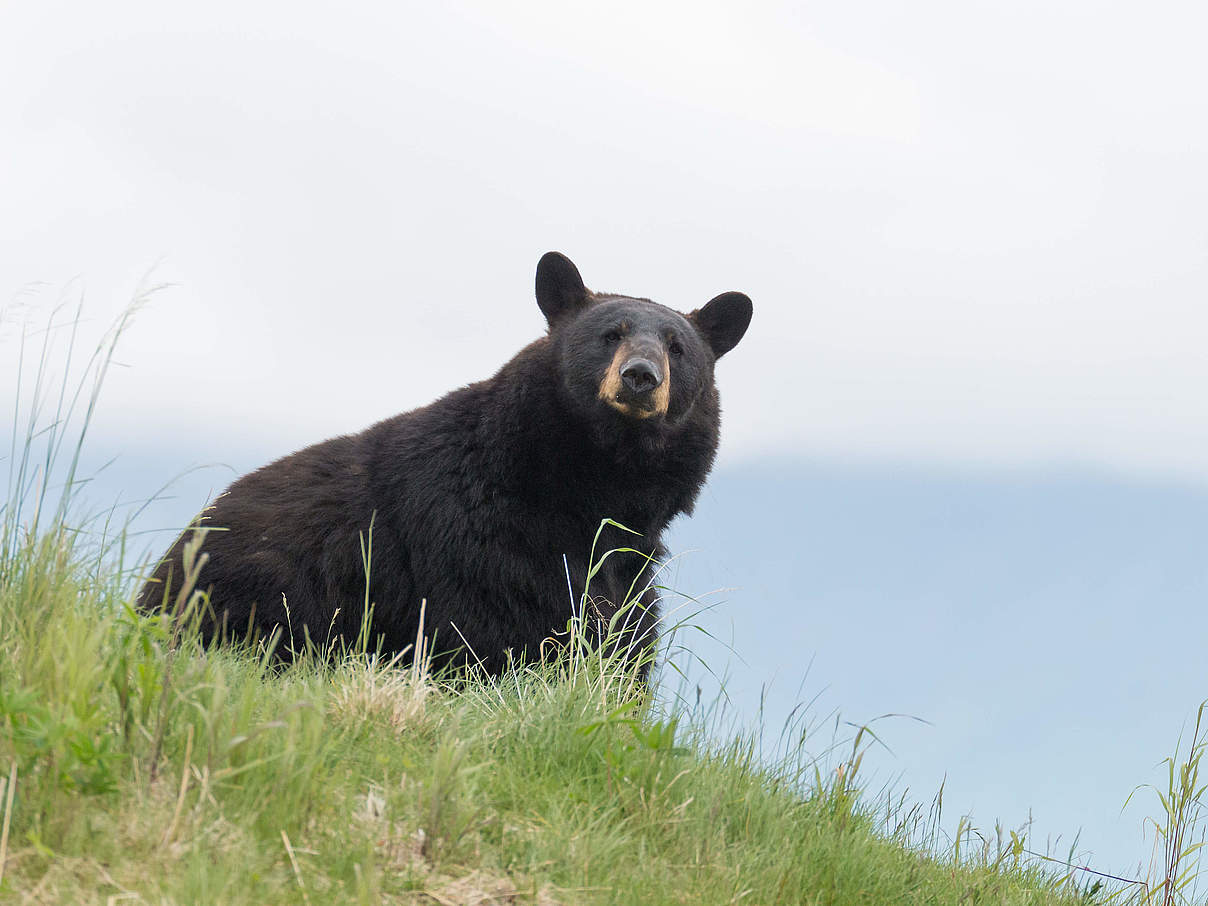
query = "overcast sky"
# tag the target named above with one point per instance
(972, 232)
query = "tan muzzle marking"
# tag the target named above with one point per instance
(611, 387)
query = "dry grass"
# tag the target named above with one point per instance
(376, 690)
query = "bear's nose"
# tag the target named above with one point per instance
(641, 375)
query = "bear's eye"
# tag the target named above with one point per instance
(675, 348)
(612, 337)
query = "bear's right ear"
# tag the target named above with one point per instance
(560, 289)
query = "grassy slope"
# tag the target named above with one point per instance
(360, 783)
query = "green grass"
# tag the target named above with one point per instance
(138, 766)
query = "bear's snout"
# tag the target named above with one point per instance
(640, 375)
(638, 381)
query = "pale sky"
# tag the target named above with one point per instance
(972, 232)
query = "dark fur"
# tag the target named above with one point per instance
(476, 498)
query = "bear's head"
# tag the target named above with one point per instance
(632, 359)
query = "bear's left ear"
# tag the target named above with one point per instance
(723, 321)
(560, 289)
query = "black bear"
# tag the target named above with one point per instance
(484, 504)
